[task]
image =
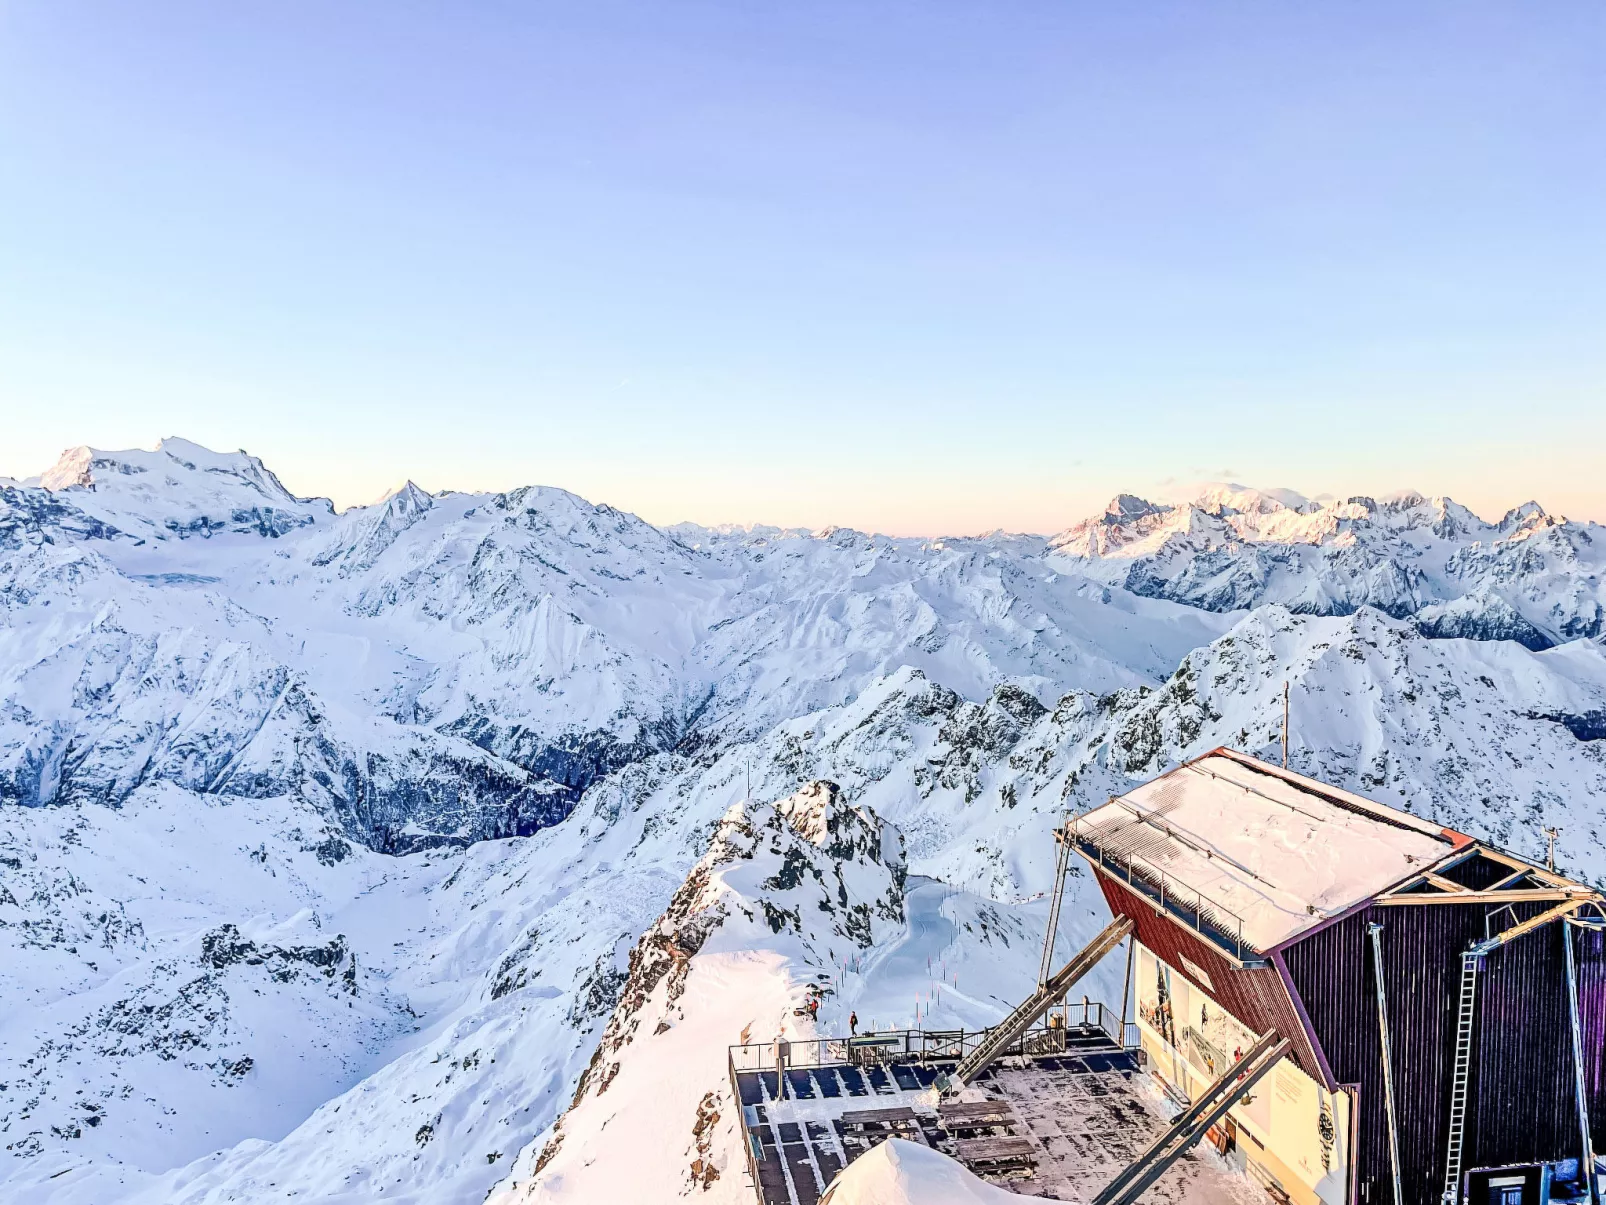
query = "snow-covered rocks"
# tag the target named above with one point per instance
(181, 490)
(784, 891)
(478, 743)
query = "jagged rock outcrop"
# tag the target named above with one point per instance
(804, 879)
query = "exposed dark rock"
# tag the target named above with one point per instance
(223, 947)
(1589, 726)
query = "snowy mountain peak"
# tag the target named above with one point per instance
(1128, 508)
(821, 815)
(1225, 497)
(406, 497)
(784, 892)
(180, 489)
(176, 460)
(815, 811)
(72, 469)
(1525, 519)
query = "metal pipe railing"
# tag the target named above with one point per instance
(920, 1045)
(905, 1045)
(1212, 921)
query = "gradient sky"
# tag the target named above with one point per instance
(914, 267)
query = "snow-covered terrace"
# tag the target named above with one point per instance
(1076, 1100)
(1251, 855)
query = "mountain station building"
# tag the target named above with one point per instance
(1445, 1001)
(1352, 1004)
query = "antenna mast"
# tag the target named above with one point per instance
(1550, 860)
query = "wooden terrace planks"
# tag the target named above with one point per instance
(900, 1115)
(995, 1151)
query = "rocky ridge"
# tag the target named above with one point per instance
(784, 891)
(469, 748)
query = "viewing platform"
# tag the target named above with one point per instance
(1061, 1112)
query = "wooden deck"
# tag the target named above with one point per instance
(1056, 1126)
(975, 1115)
(997, 1153)
(895, 1116)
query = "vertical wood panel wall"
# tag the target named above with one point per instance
(1521, 1107)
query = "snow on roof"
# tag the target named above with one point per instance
(901, 1173)
(1269, 852)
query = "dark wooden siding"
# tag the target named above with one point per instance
(1477, 872)
(1258, 998)
(1590, 950)
(1521, 1105)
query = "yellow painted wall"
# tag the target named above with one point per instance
(1296, 1130)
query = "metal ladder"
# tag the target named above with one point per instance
(999, 1037)
(1461, 1075)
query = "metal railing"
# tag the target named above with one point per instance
(1213, 922)
(924, 1045)
(911, 1045)
(906, 1046)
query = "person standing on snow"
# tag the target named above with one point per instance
(853, 1023)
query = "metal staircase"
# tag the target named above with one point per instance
(1461, 1074)
(1000, 1036)
(1187, 1129)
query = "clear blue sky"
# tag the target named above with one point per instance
(917, 267)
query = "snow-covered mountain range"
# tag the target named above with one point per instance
(1531, 577)
(334, 848)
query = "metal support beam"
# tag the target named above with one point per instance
(998, 1038)
(1376, 930)
(1547, 883)
(1586, 1150)
(1126, 987)
(1064, 840)
(1527, 926)
(1525, 895)
(1212, 1105)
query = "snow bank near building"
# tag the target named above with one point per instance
(905, 1173)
